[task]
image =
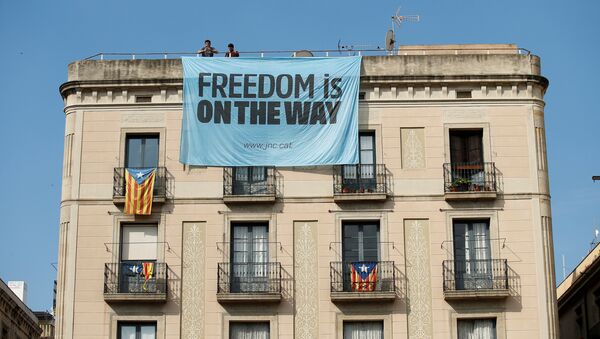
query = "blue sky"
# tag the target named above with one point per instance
(39, 38)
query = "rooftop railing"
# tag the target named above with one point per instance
(342, 51)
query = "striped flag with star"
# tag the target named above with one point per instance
(363, 276)
(139, 187)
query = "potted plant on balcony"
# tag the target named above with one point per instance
(460, 185)
(345, 190)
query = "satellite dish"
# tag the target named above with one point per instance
(303, 54)
(390, 40)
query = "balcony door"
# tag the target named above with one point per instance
(250, 180)
(360, 243)
(249, 258)
(138, 249)
(362, 176)
(141, 151)
(142, 330)
(466, 156)
(472, 255)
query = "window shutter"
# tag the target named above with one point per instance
(139, 242)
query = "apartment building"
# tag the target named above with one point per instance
(449, 204)
(17, 321)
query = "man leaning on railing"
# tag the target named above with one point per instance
(207, 50)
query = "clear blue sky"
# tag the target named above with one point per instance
(39, 38)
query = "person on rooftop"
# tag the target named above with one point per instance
(231, 52)
(207, 50)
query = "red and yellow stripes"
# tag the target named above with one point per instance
(138, 198)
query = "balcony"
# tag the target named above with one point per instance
(475, 279)
(126, 282)
(160, 185)
(470, 181)
(249, 282)
(249, 184)
(380, 288)
(360, 182)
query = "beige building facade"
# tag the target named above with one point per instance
(17, 321)
(450, 205)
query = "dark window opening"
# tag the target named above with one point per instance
(143, 98)
(463, 94)
(466, 146)
(141, 151)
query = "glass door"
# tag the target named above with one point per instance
(472, 255)
(250, 180)
(249, 258)
(360, 245)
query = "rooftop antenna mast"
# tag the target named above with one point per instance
(596, 235)
(397, 20)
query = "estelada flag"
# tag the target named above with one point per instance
(363, 276)
(139, 186)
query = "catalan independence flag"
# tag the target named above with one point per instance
(363, 276)
(139, 184)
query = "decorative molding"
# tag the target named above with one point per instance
(192, 282)
(413, 148)
(142, 118)
(306, 299)
(418, 274)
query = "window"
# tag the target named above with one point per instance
(143, 98)
(141, 151)
(472, 254)
(249, 257)
(476, 328)
(466, 146)
(363, 329)
(136, 331)
(138, 252)
(463, 94)
(360, 244)
(360, 241)
(249, 330)
(362, 177)
(250, 180)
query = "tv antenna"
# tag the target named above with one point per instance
(397, 20)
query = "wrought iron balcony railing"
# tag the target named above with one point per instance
(160, 182)
(343, 278)
(249, 278)
(361, 178)
(249, 181)
(131, 278)
(475, 275)
(470, 177)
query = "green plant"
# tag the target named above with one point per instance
(461, 182)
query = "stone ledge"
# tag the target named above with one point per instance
(359, 196)
(474, 195)
(156, 199)
(476, 294)
(362, 296)
(128, 297)
(248, 297)
(248, 198)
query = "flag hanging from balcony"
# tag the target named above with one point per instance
(139, 186)
(363, 276)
